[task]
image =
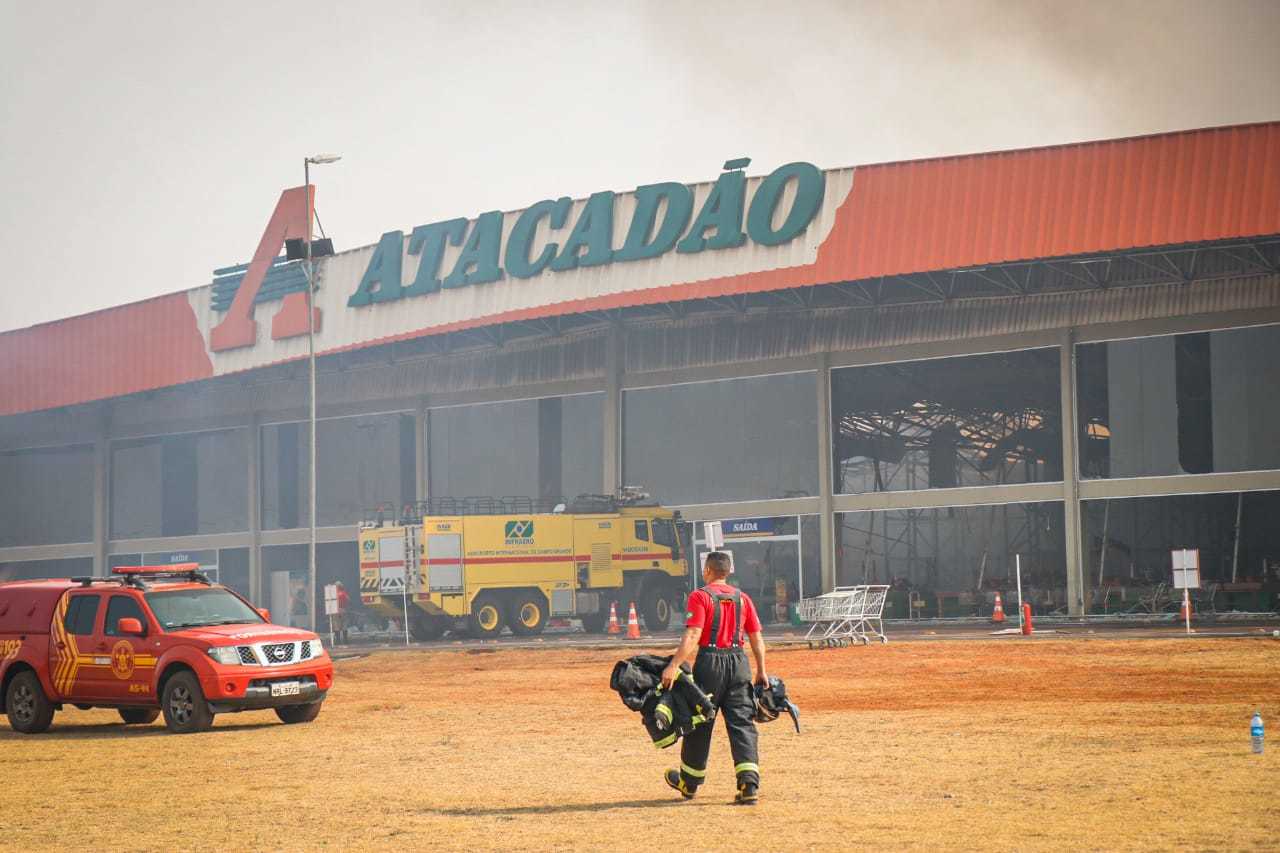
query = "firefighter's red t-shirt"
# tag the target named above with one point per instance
(698, 615)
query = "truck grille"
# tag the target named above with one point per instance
(277, 653)
(246, 656)
(306, 650)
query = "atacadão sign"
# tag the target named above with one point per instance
(660, 223)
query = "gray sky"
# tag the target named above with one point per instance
(144, 144)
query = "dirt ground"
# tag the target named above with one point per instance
(1019, 744)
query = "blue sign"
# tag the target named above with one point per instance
(748, 527)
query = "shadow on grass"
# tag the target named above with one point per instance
(566, 808)
(111, 731)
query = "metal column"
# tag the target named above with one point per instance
(1076, 591)
(256, 592)
(614, 367)
(101, 499)
(827, 521)
(421, 438)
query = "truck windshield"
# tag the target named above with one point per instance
(193, 608)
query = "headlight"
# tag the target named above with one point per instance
(316, 648)
(227, 655)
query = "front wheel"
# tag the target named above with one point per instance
(30, 711)
(528, 614)
(185, 708)
(486, 619)
(593, 623)
(655, 607)
(291, 714)
(139, 716)
(424, 627)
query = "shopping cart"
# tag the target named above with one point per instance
(846, 615)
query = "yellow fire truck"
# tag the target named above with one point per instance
(490, 563)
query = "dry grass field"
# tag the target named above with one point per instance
(1015, 744)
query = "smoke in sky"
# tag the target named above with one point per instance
(144, 144)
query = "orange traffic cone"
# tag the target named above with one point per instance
(614, 627)
(997, 615)
(633, 624)
(1182, 612)
(1027, 629)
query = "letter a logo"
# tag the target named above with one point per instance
(238, 329)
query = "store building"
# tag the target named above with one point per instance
(918, 372)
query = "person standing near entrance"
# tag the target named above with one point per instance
(716, 618)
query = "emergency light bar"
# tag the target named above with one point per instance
(137, 574)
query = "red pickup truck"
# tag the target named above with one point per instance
(148, 640)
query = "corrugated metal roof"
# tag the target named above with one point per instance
(957, 212)
(881, 220)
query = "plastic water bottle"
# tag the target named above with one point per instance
(1255, 733)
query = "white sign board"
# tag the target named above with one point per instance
(331, 599)
(714, 535)
(1186, 568)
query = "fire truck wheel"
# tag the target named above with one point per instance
(291, 714)
(423, 627)
(139, 716)
(185, 709)
(30, 711)
(655, 607)
(528, 614)
(593, 623)
(486, 617)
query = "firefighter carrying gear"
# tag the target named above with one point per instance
(726, 676)
(772, 701)
(667, 715)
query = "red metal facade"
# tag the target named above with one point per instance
(137, 347)
(946, 213)
(957, 212)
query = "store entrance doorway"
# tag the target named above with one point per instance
(768, 561)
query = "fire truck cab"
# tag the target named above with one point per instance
(151, 640)
(494, 563)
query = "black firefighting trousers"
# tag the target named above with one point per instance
(726, 676)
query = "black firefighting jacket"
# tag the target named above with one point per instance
(667, 715)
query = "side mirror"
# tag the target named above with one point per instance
(130, 627)
(264, 613)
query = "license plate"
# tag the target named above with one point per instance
(286, 688)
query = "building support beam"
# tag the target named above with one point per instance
(615, 357)
(826, 509)
(255, 512)
(421, 439)
(101, 499)
(941, 498)
(1077, 592)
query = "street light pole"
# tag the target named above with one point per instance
(311, 363)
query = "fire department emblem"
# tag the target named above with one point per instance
(122, 660)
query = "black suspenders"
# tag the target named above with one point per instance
(716, 599)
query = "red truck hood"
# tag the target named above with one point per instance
(225, 634)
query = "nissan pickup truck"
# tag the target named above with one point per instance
(147, 641)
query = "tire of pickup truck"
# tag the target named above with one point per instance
(29, 710)
(139, 716)
(291, 714)
(185, 709)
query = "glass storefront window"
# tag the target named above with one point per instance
(1180, 404)
(178, 485)
(731, 440)
(46, 496)
(548, 448)
(776, 560)
(1127, 543)
(74, 567)
(361, 461)
(969, 421)
(952, 560)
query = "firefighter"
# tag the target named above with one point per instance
(717, 616)
(340, 621)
